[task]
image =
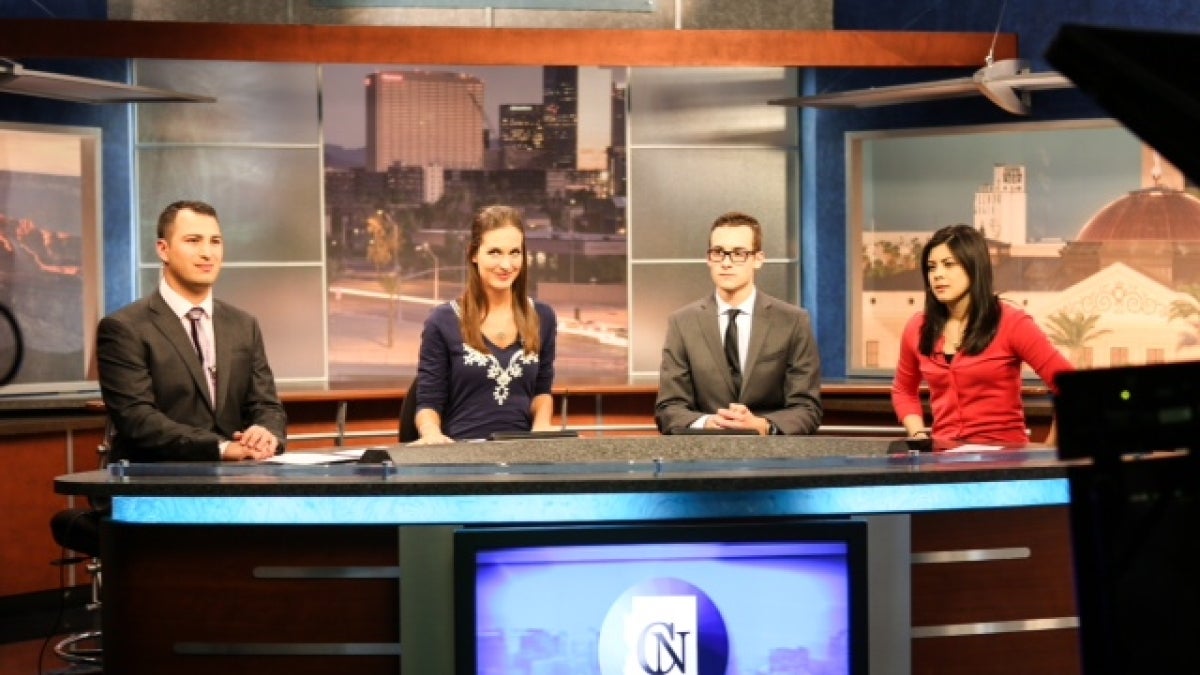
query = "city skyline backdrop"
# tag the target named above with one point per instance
(408, 146)
(345, 112)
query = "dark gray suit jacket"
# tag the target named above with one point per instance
(781, 380)
(157, 395)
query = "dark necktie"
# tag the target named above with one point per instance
(195, 314)
(731, 349)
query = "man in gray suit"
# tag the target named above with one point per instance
(185, 377)
(762, 373)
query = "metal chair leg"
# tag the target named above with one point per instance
(84, 650)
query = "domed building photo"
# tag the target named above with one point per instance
(1124, 289)
(1155, 230)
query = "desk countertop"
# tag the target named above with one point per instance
(583, 480)
(671, 464)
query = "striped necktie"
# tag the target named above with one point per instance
(207, 360)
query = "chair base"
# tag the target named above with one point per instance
(83, 651)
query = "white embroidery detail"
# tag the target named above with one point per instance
(502, 376)
(495, 372)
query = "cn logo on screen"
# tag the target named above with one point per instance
(663, 626)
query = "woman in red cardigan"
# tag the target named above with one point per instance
(969, 346)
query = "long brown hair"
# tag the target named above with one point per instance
(474, 303)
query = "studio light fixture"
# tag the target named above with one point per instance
(17, 79)
(1006, 82)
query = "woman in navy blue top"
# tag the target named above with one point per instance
(487, 358)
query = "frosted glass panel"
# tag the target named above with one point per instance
(679, 192)
(288, 304)
(268, 199)
(707, 106)
(256, 102)
(659, 289)
(289, 307)
(704, 142)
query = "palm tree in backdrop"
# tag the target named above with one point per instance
(384, 253)
(1188, 309)
(1073, 332)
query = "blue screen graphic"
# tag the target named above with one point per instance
(675, 608)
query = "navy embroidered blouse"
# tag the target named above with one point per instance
(477, 394)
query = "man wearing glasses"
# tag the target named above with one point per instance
(739, 360)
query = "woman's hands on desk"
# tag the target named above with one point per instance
(432, 437)
(914, 427)
(429, 428)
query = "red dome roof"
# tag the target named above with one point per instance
(1152, 214)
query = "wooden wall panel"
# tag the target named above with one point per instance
(165, 586)
(374, 411)
(24, 38)
(28, 500)
(983, 592)
(1040, 653)
(26, 548)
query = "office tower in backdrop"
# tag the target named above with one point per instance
(417, 118)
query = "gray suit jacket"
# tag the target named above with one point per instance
(157, 395)
(781, 380)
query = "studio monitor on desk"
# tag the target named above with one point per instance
(662, 598)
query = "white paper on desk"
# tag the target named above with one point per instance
(307, 458)
(351, 453)
(973, 447)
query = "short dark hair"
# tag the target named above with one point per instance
(167, 218)
(739, 219)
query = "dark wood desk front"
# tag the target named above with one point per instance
(233, 567)
(49, 436)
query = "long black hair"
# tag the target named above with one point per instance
(970, 249)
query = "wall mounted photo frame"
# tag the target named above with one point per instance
(1091, 232)
(50, 262)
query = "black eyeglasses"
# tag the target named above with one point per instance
(736, 256)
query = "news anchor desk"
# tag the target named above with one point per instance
(299, 569)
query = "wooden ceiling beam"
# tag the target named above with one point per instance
(56, 38)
